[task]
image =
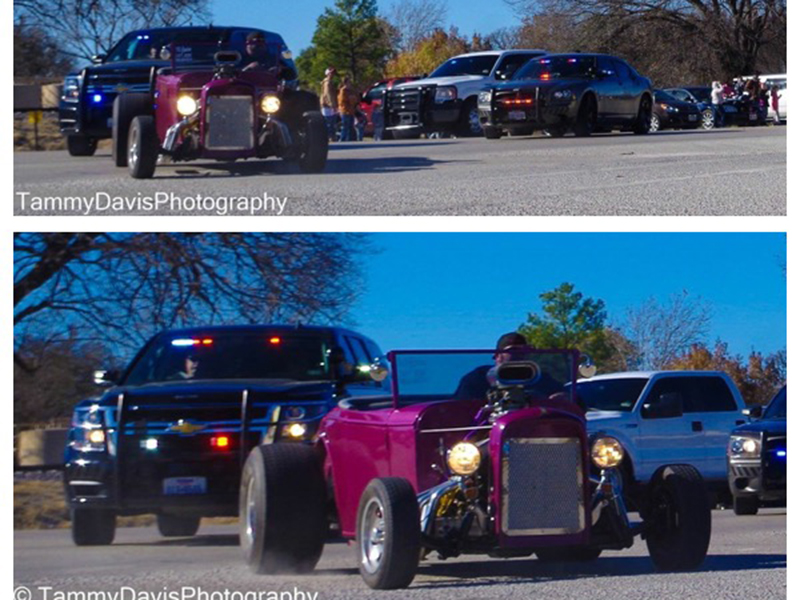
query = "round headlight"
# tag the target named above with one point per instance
(187, 106)
(464, 458)
(270, 104)
(295, 430)
(607, 452)
(97, 436)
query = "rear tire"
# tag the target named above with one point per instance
(644, 117)
(492, 133)
(313, 143)
(79, 145)
(93, 526)
(745, 505)
(470, 122)
(143, 147)
(388, 534)
(176, 526)
(282, 509)
(586, 123)
(126, 108)
(678, 517)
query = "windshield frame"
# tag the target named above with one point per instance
(779, 398)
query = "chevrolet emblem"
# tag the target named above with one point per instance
(122, 88)
(186, 428)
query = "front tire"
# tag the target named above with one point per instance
(586, 123)
(745, 505)
(93, 526)
(655, 123)
(470, 122)
(708, 119)
(126, 108)
(176, 526)
(313, 143)
(678, 517)
(388, 534)
(644, 117)
(282, 509)
(79, 145)
(143, 147)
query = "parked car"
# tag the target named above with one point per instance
(699, 96)
(738, 111)
(446, 100)
(783, 101)
(680, 417)
(211, 105)
(583, 93)
(170, 435)
(86, 106)
(372, 100)
(503, 473)
(757, 458)
(671, 113)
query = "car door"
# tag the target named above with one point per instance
(630, 90)
(609, 91)
(668, 439)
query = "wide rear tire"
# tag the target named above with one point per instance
(282, 509)
(176, 526)
(93, 526)
(313, 143)
(80, 145)
(126, 107)
(143, 147)
(388, 534)
(678, 518)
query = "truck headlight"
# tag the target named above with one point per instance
(445, 94)
(187, 106)
(744, 446)
(607, 453)
(295, 431)
(485, 98)
(71, 89)
(464, 458)
(270, 104)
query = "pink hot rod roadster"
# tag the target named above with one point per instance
(503, 468)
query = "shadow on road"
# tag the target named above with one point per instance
(387, 144)
(532, 570)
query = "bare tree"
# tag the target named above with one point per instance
(89, 27)
(662, 332)
(121, 288)
(736, 32)
(414, 20)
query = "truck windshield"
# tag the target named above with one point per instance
(777, 408)
(252, 355)
(558, 67)
(466, 65)
(143, 45)
(423, 376)
(611, 394)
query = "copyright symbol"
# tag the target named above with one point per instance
(22, 593)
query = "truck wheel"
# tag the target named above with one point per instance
(387, 533)
(586, 122)
(143, 147)
(175, 526)
(569, 554)
(79, 145)
(643, 122)
(470, 123)
(126, 107)
(93, 526)
(282, 509)
(492, 133)
(745, 505)
(313, 143)
(678, 518)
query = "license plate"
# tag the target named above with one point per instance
(183, 486)
(516, 115)
(693, 117)
(753, 116)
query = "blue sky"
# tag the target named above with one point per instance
(296, 20)
(462, 290)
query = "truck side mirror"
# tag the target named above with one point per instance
(755, 412)
(98, 59)
(106, 378)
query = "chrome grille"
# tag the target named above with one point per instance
(542, 483)
(229, 123)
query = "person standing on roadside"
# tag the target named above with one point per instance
(328, 103)
(348, 103)
(717, 97)
(774, 96)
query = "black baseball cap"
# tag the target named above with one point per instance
(511, 339)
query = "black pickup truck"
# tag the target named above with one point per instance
(87, 102)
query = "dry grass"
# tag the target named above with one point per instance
(41, 505)
(50, 137)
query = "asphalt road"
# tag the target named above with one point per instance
(747, 559)
(720, 172)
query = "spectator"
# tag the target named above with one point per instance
(361, 124)
(328, 103)
(774, 97)
(348, 103)
(717, 98)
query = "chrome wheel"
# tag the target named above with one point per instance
(655, 123)
(708, 119)
(373, 536)
(250, 513)
(133, 153)
(475, 122)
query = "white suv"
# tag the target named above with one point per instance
(447, 100)
(666, 417)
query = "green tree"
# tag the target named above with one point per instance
(570, 321)
(351, 38)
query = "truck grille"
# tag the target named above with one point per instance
(542, 483)
(229, 123)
